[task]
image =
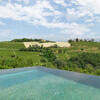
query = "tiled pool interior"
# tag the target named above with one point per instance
(39, 83)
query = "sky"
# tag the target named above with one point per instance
(57, 20)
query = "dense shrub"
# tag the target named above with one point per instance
(54, 46)
(44, 60)
(14, 62)
(59, 63)
(86, 61)
(34, 48)
(82, 49)
(49, 54)
(70, 41)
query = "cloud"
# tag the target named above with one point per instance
(84, 8)
(51, 16)
(61, 2)
(28, 13)
(25, 1)
(2, 24)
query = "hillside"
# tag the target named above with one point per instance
(11, 45)
(81, 57)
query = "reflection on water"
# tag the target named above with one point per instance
(38, 85)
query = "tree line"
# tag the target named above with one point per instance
(31, 40)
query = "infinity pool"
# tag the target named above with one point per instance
(38, 84)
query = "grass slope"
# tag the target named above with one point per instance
(11, 45)
(11, 57)
(88, 44)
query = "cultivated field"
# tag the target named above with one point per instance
(78, 48)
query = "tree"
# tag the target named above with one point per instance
(70, 41)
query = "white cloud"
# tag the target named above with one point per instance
(61, 2)
(84, 8)
(28, 13)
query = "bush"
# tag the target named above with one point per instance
(59, 63)
(89, 68)
(86, 58)
(54, 46)
(49, 54)
(70, 41)
(82, 49)
(44, 60)
(97, 72)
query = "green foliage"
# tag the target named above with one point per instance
(71, 59)
(10, 59)
(34, 48)
(44, 60)
(97, 72)
(87, 62)
(86, 58)
(16, 62)
(49, 54)
(22, 40)
(89, 67)
(54, 46)
(59, 63)
(82, 49)
(70, 41)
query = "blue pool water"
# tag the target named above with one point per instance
(40, 85)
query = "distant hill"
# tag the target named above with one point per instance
(31, 40)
